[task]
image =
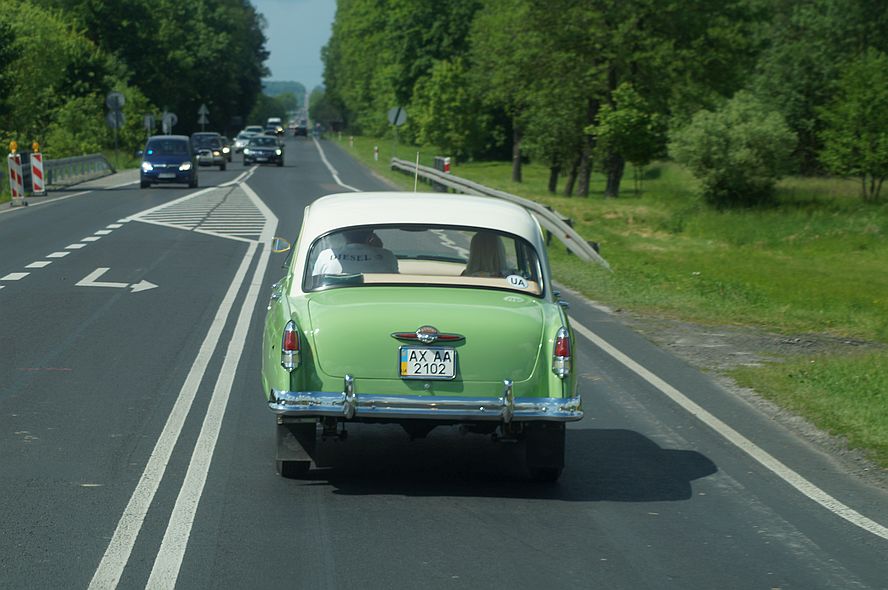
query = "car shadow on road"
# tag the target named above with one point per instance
(601, 465)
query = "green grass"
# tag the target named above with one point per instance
(848, 397)
(815, 262)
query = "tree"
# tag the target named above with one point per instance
(444, 112)
(856, 136)
(7, 54)
(503, 53)
(738, 152)
(809, 45)
(627, 128)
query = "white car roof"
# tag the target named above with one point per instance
(376, 208)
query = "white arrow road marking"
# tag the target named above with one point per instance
(142, 285)
(90, 281)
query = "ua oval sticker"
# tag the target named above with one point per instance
(517, 281)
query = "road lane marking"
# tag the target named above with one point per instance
(14, 276)
(102, 232)
(114, 226)
(91, 239)
(330, 166)
(175, 540)
(90, 280)
(767, 460)
(75, 246)
(120, 547)
(57, 255)
(39, 264)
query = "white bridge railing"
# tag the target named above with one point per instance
(550, 220)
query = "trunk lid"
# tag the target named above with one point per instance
(351, 330)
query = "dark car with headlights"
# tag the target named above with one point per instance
(208, 146)
(168, 158)
(263, 149)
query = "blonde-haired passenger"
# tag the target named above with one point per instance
(487, 257)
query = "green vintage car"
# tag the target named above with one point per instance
(419, 310)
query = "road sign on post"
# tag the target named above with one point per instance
(169, 121)
(202, 119)
(397, 116)
(115, 101)
(115, 119)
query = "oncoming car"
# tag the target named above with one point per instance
(263, 149)
(168, 158)
(420, 310)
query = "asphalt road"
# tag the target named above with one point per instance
(135, 448)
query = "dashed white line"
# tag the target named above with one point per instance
(91, 239)
(114, 226)
(77, 246)
(39, 264)
(57, 255)
(103, 232)
(14, 276)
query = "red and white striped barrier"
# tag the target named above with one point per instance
(38, 184)
(16, 182)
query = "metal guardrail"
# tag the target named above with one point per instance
(67, 171)
(550, 220)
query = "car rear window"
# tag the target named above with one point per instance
(423, 255)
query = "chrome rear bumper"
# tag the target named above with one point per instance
(348, 404)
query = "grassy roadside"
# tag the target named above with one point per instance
(815, 263)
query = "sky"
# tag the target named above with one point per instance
(296, 30)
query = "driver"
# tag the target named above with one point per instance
(361, 253)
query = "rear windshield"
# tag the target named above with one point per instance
(423, 255)
(167, 147)
(207, 142)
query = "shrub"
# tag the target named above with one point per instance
(737, 152)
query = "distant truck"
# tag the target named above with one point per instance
(275, 125)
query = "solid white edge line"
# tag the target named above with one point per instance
(761, 456)
(120, 547)
(331, 168)
(175, 540)
(55, 200)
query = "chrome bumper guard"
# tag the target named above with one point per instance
(348, 404)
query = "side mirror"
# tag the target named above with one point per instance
(139, 153)
(279, 245)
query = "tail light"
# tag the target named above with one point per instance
(561, 353)
(290, 346)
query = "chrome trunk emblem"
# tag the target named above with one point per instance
(427, 335)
